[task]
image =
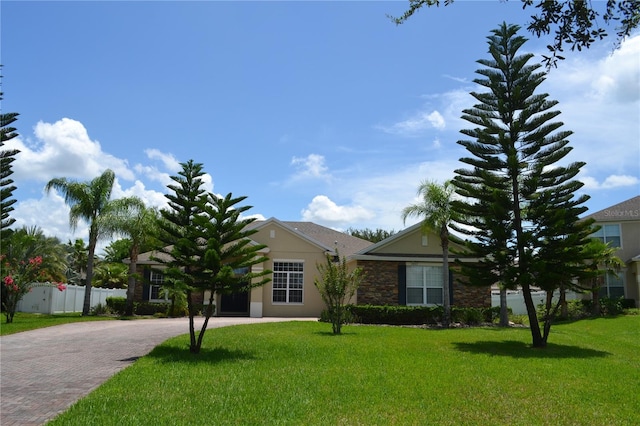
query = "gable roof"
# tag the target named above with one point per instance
(390, 240)
(628, 210)
(326, 238)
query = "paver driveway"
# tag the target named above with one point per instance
(43, 372)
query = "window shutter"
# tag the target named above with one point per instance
(402, 284)
(450, 287)
(145, 284)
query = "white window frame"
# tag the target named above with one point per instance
(609, 279)
(288, 284)
(605, 237)
(158, 278)
(426, 269)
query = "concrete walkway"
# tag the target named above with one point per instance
(43, 372)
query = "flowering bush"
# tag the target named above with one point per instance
(19, 276)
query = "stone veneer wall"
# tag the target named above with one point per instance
(380, 287)
(380, 283)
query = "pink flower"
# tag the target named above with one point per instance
(61, 287)
(36, 260)
(8, 280)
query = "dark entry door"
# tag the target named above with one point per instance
(235, 304)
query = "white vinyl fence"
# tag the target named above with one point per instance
(47, 299)
(515, 300)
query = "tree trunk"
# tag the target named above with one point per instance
(131, 280)
(444, 239)
(595, 305)
(86, 307)
(208, 313)
(523, 266)
(564, 308)
(536, 336)
(192, 331)
(504, 310)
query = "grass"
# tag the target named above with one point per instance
(25, 322)
(299, 374)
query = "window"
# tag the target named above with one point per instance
(156, 281)
(609, 234)
(613, 286)
(288, 280)
(424, 285)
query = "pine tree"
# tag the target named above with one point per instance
(180, 235)
(521, 209)
(208, 246)
(6, 183)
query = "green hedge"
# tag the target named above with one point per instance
(418, 315)
(118, 305)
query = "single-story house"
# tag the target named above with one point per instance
(294, 249)
(620, 227)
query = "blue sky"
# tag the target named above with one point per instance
(319, 111)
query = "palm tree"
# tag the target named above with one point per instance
(602, 262)
(139, 224)
(87, 201)
(436, 213)
(110, 275)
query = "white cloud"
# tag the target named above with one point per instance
(52, 207)
(610, 182)
(416, 125)
(323, 210)
(311, 167)
(169, 161)
(64, 149)
(150, 198)
(617, 77)
(376, 200)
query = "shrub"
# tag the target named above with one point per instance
(100, 309)
(611, 307)
(628, 304)
(472, 316)
(417, 315)
(149, 308)
(116, 304)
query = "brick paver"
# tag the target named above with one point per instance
(43, 372)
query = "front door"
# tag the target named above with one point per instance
(235, 304)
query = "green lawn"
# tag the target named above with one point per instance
(25, 322)
(299, 374)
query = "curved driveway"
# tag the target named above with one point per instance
(43, 372)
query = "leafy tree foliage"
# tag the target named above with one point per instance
(372, 235)
(436, 212)
(77, 259)
(207, 243)
(117, 250)
(6, 183)
(574, 23)
(337, 286)
(30, 242)
(518, 206)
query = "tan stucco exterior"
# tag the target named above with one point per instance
(627, 215)
(287, 245)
